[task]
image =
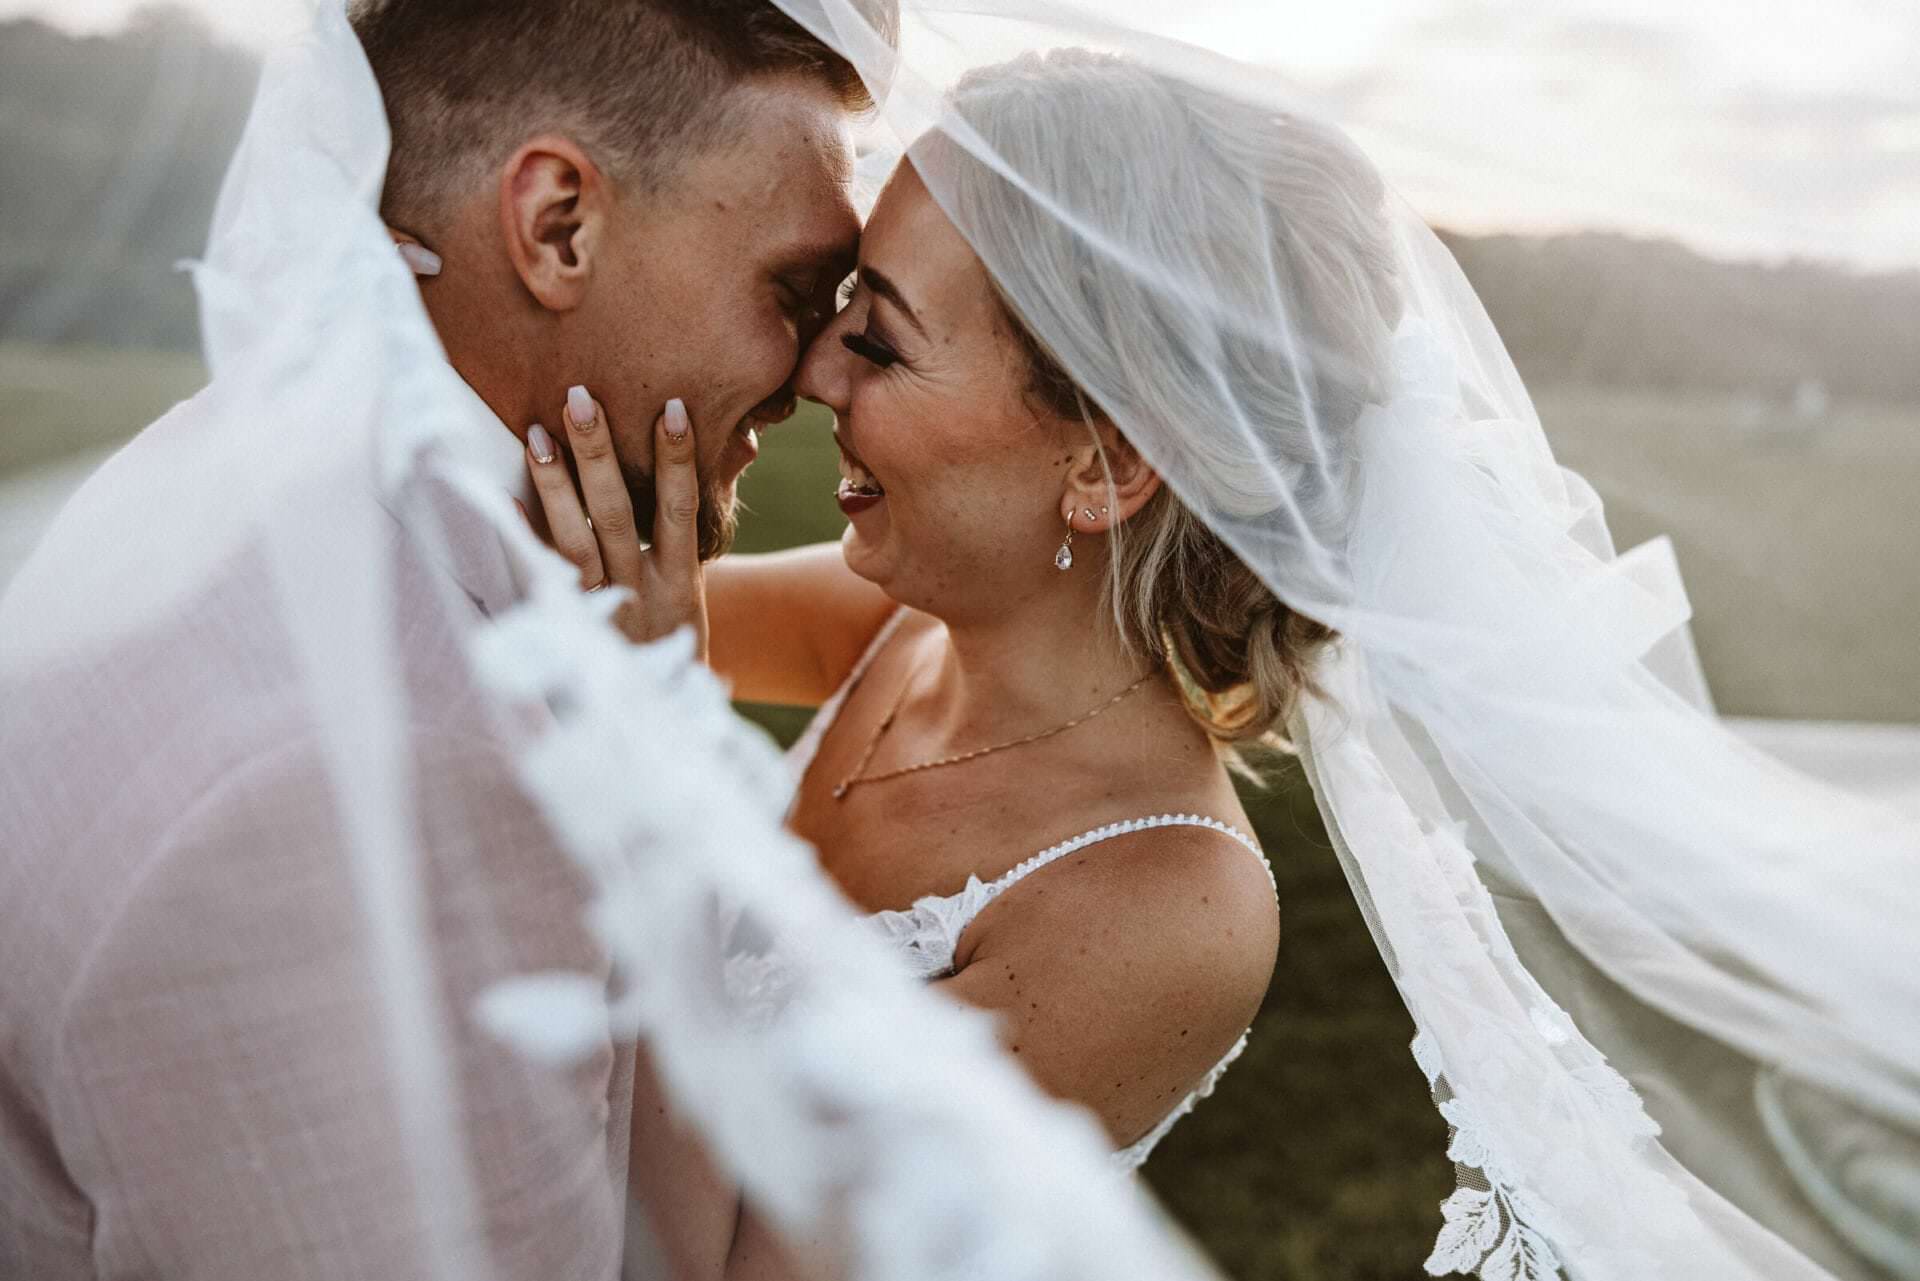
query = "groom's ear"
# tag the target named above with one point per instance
(553, 215)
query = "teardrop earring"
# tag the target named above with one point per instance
(1063, 559)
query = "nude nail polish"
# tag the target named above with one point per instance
(540, 442)
(423, 260)
(579, 406)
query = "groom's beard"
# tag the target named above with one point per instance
(715, 526)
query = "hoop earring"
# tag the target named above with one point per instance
(1063, 559)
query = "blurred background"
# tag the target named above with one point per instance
(1699, 234)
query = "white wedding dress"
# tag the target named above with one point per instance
(927, 934)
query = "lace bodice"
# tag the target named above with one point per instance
(927, 933)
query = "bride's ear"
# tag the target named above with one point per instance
(1107, 484)
(554, 205)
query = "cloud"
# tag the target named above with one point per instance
(1760, 108)
(1818, 154)
(1348, 97)
(1493, 113)
(1523, 33)
(1652, 49)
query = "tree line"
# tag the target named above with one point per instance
(112, 150)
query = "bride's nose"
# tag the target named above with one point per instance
(825, 371)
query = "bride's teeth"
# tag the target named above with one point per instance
(856, 479)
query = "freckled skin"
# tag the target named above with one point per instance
(693, 310)
(1093, 961)
(972, 471)
(681, 299)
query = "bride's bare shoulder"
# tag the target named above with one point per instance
(1185, 893)
(1124, 971)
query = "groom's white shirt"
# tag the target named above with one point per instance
(194, 1076)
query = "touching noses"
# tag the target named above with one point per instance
(826, 368)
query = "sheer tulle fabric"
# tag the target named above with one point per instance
(1627, 939)
(1578, 878)
(337, 428)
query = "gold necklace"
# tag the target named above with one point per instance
(859, 776)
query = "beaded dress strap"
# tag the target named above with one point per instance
(1111, 830)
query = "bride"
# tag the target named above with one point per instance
(1165, 432)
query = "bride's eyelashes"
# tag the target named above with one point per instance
(869, 350)
(863, 345)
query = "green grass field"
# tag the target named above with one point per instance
(1319, 1158)
(1800, 547)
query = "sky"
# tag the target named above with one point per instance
(1745, 128)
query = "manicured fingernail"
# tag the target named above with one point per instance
(678, 424)
(540, 442)
(579, 406)
(423, 260)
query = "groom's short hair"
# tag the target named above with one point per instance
(640, 84)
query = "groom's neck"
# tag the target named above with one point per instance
(493, 344)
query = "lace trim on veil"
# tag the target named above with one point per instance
(1495, 1224)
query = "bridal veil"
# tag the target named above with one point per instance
(1665, 989)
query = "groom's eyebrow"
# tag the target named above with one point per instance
(885, 288)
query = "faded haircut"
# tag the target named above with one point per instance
(640, 85)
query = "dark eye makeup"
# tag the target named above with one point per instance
(869, 350)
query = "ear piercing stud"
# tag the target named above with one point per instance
(1063, 559)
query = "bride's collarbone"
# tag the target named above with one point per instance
(888, 844)
(890, 841)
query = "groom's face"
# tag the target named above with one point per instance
(712, 287)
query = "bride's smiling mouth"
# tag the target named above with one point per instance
(859, 490)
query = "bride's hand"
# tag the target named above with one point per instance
(593, 524)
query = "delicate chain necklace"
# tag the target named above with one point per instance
(859, 776)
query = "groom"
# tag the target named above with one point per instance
(645, 197)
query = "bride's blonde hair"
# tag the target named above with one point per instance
(1085, 122)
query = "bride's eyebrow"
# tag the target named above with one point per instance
(885, 288)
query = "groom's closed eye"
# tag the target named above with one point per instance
(803, 292)
(805, 276)
(795, 293)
